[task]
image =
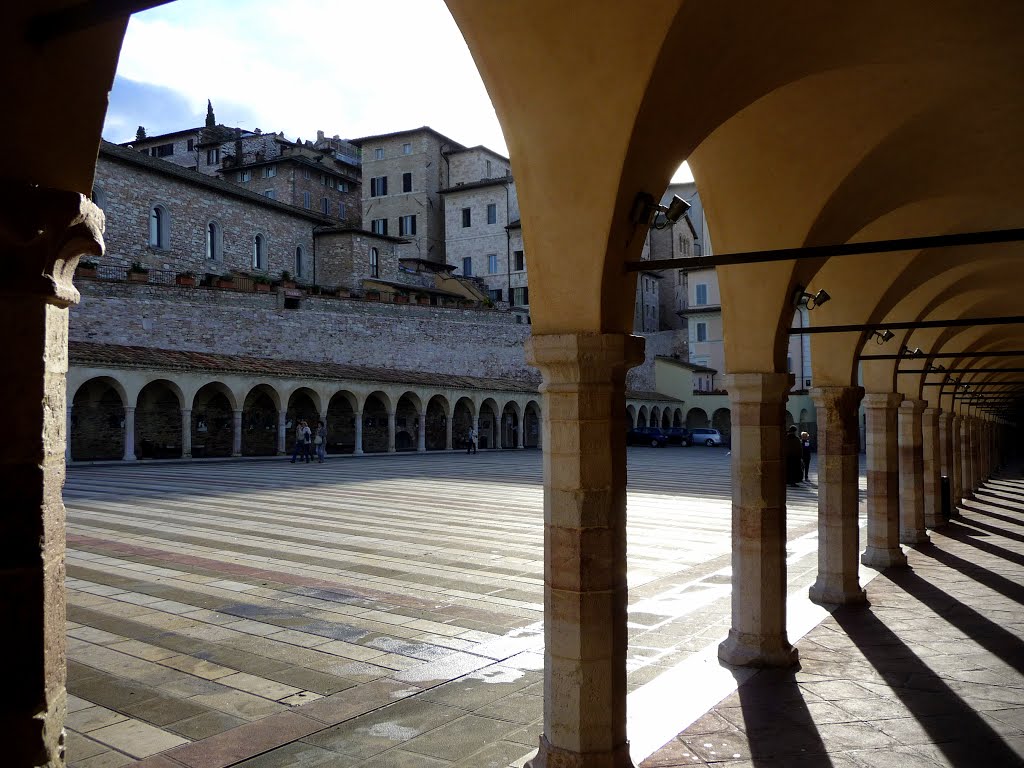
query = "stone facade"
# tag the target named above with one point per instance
(347, 257)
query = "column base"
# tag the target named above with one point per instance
(129, 458)
(549, 756)
(881, 559)
(836, 595)
(912, 538)
(742, 650)
(936, 522)
(358, 452)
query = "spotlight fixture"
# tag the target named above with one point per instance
(812, 300)
(882, 336)
(645, 208)
(908, 352)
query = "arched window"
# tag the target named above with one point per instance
(300, 262)
(374, 263)
(259, 253)
(159, 227)
(213, 241)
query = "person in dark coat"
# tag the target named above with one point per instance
(805, 452)
(792, 450)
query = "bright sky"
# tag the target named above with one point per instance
(302, 66)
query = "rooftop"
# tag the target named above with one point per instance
(422, 129)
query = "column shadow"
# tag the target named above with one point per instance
(958, 531)
(972, 507)
(965, 739)
(987, 490)
(986, 528)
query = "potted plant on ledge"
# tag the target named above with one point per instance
(422, 298)
(86, 268)
(373, 295)
(286, 279)
(137, 273)
(401, 298)
(187, 278)
(261, 283)
(227, 280)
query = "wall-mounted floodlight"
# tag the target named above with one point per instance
(908, 352)
(812, 300)
(645, 207)
(882, 336)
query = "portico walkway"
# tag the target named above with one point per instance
(931, 674)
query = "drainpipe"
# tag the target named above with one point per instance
(508, 244)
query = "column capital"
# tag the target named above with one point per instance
(882, 400)
(836, 398)
(914, 407)
(758, 387)
(567, 358)
(931, 412)
(43, 233)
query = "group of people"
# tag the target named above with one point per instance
(306, 441)
(798, 457)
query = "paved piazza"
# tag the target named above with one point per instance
(376, 611)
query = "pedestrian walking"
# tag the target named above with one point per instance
(792, 452)
(320, 442)
(805, 453)
(471, 441)
(301, 448)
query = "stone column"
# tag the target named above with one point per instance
(129, 433)
(883, 459)
(912, 530)
(421, 436)
(448, 433)
(956, 465)
(946, 453)
(282, 433)
(186, 433)
(521, 432)
(67, 432)
(585, 638)
(359, 434)
(758, 634)
(932, 468)
(986, 463)
(838, 476)
(391, 431)
(966, 462)
(42, 235)
(236, 435)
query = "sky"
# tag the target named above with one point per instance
(299, 67)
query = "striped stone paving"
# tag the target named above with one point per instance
(372, 612)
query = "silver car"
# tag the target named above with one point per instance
(709, 437)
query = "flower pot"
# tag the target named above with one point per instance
(138, 277)
(226, 284)
(188, 282)
(287, 283)
(372, 296)
(401, 299)
(262, 287)
(423, 300)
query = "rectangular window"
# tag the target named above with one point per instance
(269, 171)
(165, 150)
(378, 153)
(467, 266)
(378, 186)
(191, 145)
(467, 217)
(272, 194)
(379, 226)
(702, 331)
(330, 181)
(341, 210)
(407, 225)
(343, 186)
(325, 205)
(306, 200)
(407, 182)
(212, 156)
(407, 149)
(492, 263)
(701, 291)
(305, 173)
(520, 260)
(244, 176)
(374, 263)
(494, 294)
(520, 297)
(492, 213)
(487, 173)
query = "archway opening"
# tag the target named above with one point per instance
(488, 424)
(375, 424)
(158, 422)
(301, 407)
(341, 423)
(462, 422)
(677, 417)
(696, 418)
(259, 422)
(407, 422)
(437, 423)
(97, 422)
(531, 425)
(654, 418)
(721, 420)
(510, 425)
(212, 422)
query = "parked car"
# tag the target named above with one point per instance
(707, 436)
(651, 436)
(678, 435)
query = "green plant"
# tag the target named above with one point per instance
(138, 268)
(187, 274)
(286, 275)
(228, 277)
(261, 280)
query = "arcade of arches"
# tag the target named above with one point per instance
(802, 126)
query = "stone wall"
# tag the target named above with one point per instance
(473, 342)
(479, 240)
(661, 344)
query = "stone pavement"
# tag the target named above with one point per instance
(931, 674)
(379, 611)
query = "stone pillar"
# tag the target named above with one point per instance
(282, 433)
(42, 235)
(67, 432)
(236, 434)
(585, 637)
(986, 464)
(946, 452)
(966, 463)
(838, 476)
(956, 465)
(129, 433)
(932, 468)
(359, 434)
(186, 433)
(758, 633)
(391, 431)
(421, 435)
(448, 433)
(521, 432)
(883, 459)
(912, 530)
